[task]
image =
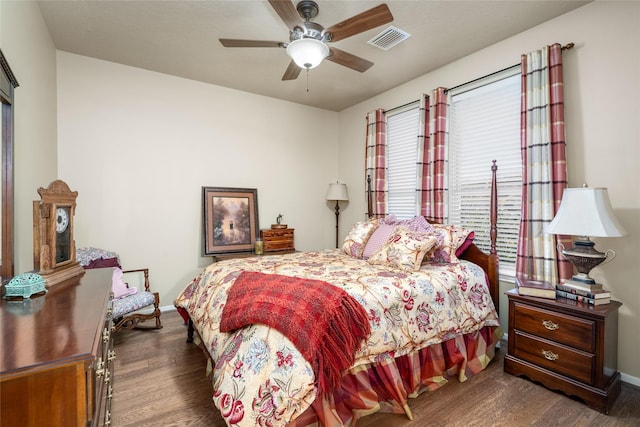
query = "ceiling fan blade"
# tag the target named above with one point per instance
(292, 72)
(364, 21)
(249, 43)
(287, 12)
(348, 60)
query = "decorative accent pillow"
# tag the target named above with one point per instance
(405, 249)
(450, 238)
(378, 238)
(467, 242)
(118, 286)
(357, 238)
(417, 223)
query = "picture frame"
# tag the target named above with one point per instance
(230, 220)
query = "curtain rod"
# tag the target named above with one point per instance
(402, 106)
(565, 47)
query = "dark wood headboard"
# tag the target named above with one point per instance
(489, 262)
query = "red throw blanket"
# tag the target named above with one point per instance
(324, 322)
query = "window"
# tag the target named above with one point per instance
(402, 143)
(484, 125)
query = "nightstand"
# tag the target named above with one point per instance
(566, 346)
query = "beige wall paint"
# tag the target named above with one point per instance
(137, 117)
(602, 124)
(29, 50)
(138, 146)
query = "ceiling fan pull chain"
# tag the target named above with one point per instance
(307, 80)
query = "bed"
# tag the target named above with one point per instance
(429, 303)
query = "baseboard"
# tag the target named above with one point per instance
(624, 377)
(167, 308)
(629, 379)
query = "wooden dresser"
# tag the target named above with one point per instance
(565, 345)
(277, 239)
(56, 355)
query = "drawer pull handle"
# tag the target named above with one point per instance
(550, 325)
(99, 368)
(549, 355)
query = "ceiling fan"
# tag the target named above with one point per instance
(308, 40)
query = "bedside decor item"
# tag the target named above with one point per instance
(24, 286)
(259, 250)
(535, 288)
(230, 219)
(54, 248)
(337, 192)
(278, 223)
(278, 239)
(585, 212)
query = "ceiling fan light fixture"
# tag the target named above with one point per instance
(307, 53)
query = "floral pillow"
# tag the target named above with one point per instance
(417, 223)
(450, 238)
(358, 236)
(405, 249)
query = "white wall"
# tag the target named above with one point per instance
(602, 124)
(139, 146)
(29, 50)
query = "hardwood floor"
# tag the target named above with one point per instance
(160, 381)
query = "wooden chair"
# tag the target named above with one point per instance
(128, 312)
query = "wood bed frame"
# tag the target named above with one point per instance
(488, 262)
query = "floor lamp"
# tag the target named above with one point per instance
(337, 192)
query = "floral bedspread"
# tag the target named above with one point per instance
(260, 378)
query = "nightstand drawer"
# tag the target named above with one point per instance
(557, 358)
(282, 245)
(568, 330)
(275, 234)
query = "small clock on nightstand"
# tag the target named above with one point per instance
(54, 251)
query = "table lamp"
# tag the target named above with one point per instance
(585, 212)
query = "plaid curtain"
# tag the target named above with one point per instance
(544, 166)
(376, 161)
(432, 184)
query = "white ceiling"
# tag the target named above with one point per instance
(181, 38)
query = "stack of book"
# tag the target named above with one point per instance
(583, 292)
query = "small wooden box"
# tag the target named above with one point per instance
(277, 239)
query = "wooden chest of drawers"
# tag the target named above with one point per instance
(277, 239)
(566, 346)
(56, 355)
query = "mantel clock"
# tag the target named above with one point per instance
(54, 249)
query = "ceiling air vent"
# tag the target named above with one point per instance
(389, 38)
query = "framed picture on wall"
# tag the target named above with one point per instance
(230, 219)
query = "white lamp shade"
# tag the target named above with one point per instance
(337, 192)
(586, 212)
(307, 53)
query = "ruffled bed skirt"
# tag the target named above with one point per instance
(387, 385)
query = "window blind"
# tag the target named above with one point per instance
(402, 142)
(484, 125)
